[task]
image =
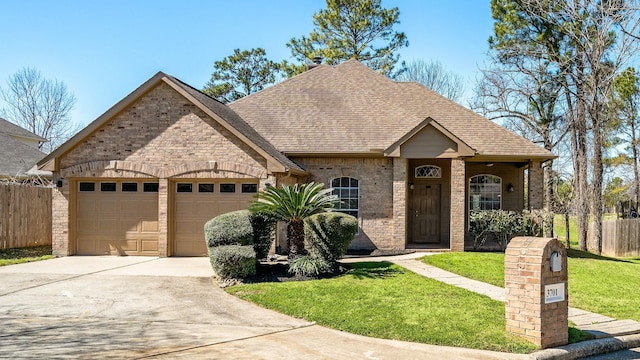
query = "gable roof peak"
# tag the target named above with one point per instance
(212, 107)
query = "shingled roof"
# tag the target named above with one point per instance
(16, 157)
(350, 108)
(9, 128)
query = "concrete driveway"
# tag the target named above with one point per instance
(142, 307)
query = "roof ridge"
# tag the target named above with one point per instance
(286, 81)
(7, 126)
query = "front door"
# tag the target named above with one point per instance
(424, 213)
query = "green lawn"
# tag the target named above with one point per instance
(559, 230)
(23, 255)
(386, 301)
(598, 284)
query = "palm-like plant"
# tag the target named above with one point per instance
(293, 204)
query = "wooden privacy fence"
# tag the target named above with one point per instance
(621, 237)
(25, 216)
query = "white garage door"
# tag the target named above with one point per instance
(117, 217)
(197, 201)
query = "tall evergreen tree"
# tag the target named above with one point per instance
(240, 74)
(352, 29)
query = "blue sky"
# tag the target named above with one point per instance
(103, 50)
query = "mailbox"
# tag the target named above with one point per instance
(537, 306)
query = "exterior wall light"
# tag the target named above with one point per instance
(510, 188)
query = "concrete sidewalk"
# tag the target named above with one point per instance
(620, 332)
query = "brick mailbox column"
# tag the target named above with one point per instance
(535, 274)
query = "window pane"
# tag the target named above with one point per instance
(205, 188)
(150, 187)
(485, 192)
(249, 188)
(354, 182)
(130, 187)
(335, 182)
(353, 204)
(87, 186)
(110, 186)
(184, 187)
(227, 188)
(344, 193)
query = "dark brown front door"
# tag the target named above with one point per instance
(424, 213)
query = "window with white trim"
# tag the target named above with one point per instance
(428, 172)
(485, 192)
(348, 191)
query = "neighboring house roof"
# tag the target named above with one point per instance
(17, 158)
(350, 108)
(219, 112)
(9, 128)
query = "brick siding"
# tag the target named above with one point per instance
(160, 135)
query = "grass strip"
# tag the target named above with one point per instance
(23, 255)
(598, 284)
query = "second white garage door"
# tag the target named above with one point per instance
(197, 201)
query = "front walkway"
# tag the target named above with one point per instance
(598, 325)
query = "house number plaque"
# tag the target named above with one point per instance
(553, 293)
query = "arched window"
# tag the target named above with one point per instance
(485, 192)
(428, 172)
(348, 190)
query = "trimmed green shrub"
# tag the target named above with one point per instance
(233, 261)
(328, 235)
(264, 228)
(307, 266)
(232, 228)
(501, 226)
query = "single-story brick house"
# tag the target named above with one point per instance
(408, 163)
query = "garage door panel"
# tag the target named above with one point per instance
(107, 227)
(192, 210)
(227, 205)
(107, 206)
(118, 223)
(89, 226)
(205, 207)
(149, 226)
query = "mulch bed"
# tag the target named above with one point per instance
(278, 271)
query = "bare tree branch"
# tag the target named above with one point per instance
(41, 106)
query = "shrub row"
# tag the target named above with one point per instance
(237, 239)
(501, 226)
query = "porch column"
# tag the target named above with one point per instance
(399, 240)
(458, 203)
(163, 217)
(536, 185)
